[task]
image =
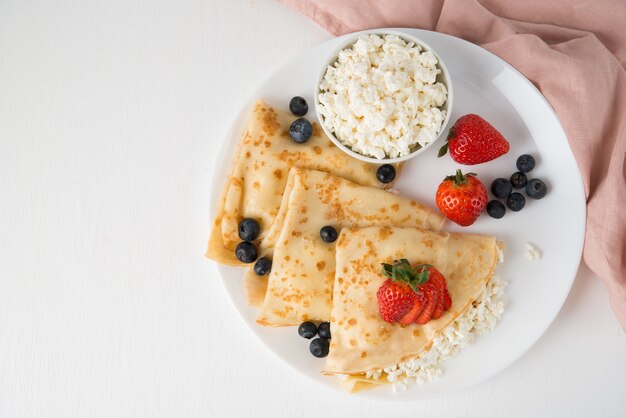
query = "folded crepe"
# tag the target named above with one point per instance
(258, 174)
(364, 348)
(300, 284)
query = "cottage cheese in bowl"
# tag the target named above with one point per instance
(384, 97)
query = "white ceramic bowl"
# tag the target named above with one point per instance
(443, 77)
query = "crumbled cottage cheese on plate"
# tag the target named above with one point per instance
(531, 252)
(381, 98)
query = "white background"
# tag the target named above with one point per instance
(111, 114)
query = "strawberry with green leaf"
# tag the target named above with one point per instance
(461, 198)
(473, 140)
(412, 294)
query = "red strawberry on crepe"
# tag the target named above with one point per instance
(412, 294)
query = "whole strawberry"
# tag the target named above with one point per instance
(472, 140)
(412, 294)
(461, 198)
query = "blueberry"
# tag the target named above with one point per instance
(307, 330)
(262, 266)
(518, 180)
(328, 234)
(245, 252)
(525, 163)
(319, 347)
(386, 173)
(516, 202)
(300, 130)
(536, 189)
(298, 106)
(324, 330)
(501, 188)
(496, 209)
(249, 229)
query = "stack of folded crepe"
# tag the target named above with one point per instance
(293, 190)
(259, 171)
(300, 285)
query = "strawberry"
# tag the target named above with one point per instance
(395, 300)
(439, 308)
(447, 300)
(444, 301)
(412, 294)
(461, 198)
(440, 282)
(411, 315)
(473, 140)
(430, 289)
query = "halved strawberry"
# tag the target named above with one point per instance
(439, 308)
(431, 301)
(414, 312)
(447, 300)
(443, 297)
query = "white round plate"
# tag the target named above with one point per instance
(486, 85)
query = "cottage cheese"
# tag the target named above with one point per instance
(479, 319)
(531, 252)
(381, 97)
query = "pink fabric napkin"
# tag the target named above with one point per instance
(574, 51)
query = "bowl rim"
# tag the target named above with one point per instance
(350, 40)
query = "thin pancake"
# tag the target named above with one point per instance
(303, 271)
(362, 341)
(258, 174)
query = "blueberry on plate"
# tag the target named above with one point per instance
(516, 202)
(324, 330)
(249, 229)
(319, 347)
(518, 180)
(501, 188)
(525, 163)
(245, 252)
(328, 234)
(536, 189)
(262, 266)
(300, 130)
(307, 330)
(298, 106)
(496, 209)
(386, 173)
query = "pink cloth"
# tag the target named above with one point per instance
(574, 51)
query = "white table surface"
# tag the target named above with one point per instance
(110, 115)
